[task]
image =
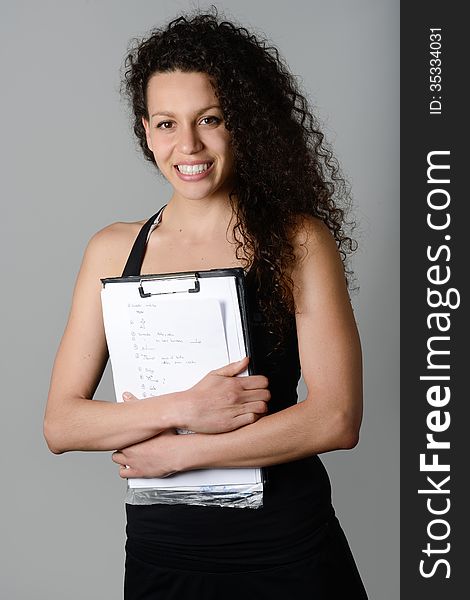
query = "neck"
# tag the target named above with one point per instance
(198, 219)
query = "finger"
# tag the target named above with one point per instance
(125, 472)
(128, 397)
(245, 419)
(233, 368)
(118, 458)
(253, 382)
(248, 396)
(255, 407)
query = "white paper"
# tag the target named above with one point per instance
(167, 343)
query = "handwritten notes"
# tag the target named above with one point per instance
(164, 346)
(175, 343)
(167, 343)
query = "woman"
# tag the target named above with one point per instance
(220, 116)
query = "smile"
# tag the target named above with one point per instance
(193, 169)
(193, 172)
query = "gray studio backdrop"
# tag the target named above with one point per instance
(70, 167)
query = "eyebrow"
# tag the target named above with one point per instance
(170, 114)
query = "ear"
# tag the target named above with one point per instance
(146, 125)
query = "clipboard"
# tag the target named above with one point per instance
(165, 332)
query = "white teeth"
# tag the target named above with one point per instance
(193, 169)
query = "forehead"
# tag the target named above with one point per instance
(178, 90)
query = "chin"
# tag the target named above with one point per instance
(195, 194)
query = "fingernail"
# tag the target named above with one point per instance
(127, 396)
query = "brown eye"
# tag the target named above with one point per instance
(212, 120)
(163, 125)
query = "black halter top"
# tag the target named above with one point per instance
(297, 496)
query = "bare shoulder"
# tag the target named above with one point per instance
(312, 240)
(108, 249)
(318, 270)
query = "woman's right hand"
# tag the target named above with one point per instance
(221, 402)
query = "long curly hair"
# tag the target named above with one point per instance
(283, 168)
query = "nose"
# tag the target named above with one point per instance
(189, 141)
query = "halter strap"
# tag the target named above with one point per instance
(136, 255)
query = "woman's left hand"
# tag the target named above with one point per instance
(152, 458)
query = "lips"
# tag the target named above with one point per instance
(184, 167)
(194, 176)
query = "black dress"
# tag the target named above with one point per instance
(291, 547)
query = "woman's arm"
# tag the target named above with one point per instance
(330, 354)
(74, 421)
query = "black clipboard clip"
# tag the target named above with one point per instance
(194, 277)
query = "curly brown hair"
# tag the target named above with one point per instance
(283, 168)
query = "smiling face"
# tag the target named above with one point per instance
(187, 136)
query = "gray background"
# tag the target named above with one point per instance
(71, 167)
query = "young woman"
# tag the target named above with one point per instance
(218, 113)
